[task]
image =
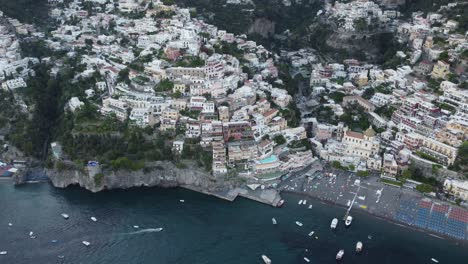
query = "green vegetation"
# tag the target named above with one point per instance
(426, 156)
(193, 151)
(397, 183)
(98, 178)
(362, 173)
(303, 143)
(164, 86)
(416, 174)
(190, 61)
(26, 11)
(124, 163)
(461, 162)
(279, 140)
(424, 188)
(355, 118)
(337, 97)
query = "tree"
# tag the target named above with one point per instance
(164, 86)
(177, 94)
(279, 139)
(444, 56)
(368, 93)
(424, 188)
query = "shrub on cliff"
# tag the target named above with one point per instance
(98, 178)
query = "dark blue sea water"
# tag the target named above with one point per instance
(201, 230)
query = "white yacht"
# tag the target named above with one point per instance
(359, 246)
(300, 202)
(298, 223)
(434, 260)
(94, 219)
(305, 202)
(86, 243)
(65, 216)
(348, 220)
(136, 227)
(311, 233)
(10, 224)
(340, 254)
(334, 223)
(310, 206)
(3, 252)
(266, 259)
(306, 260)
(273, 220)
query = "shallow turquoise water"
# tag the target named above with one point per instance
(204, 229)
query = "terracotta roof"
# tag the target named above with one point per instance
(270, 112)
(354, 134)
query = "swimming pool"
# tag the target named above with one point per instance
(270, 159)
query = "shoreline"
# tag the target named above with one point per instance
(383, 218)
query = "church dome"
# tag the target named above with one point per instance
(370, 132)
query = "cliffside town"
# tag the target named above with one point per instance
(132, 85)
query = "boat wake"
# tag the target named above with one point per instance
(147, 230)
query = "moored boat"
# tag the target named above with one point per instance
(273, 220)
(334, 223)
(300, 202)
(304, 202)
(136, 227)
(310, 206)
(266, 259)
(359, 246)
(94, 219)
(311, 233)
(306, 260)
(65, 216)
(348, 220)
(434, 260)
(340, 254)
(3, 252)
(298, 223)
(86, 243)
(280, 203)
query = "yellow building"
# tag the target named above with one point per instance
(440, 70)
(179, 87)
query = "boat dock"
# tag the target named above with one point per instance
(352, 203)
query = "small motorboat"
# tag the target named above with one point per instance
(311, 233)
(182, 201)
(359, 246)
(305, 202)
(86, 243)
(306, 260)
(280, 203)
(434, 260)
(136, 227)
(273, 220)
(310, 206)
(65, 216)
(266, 259)
(348, 220)
(3, 252)
(334, 223)
(31, 235)
(340, 254)
(10, 224)
(61, 256)
(54, 241)
(300, 202)
(298, 223)
(94, 219)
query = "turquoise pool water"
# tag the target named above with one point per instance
(270, 159)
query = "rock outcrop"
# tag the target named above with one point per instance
(163, 174)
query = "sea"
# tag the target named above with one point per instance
(197, 229)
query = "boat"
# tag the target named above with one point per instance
(300, 202)
(298, 223)
(3, 252)
(10, 224)
(182, 201)
(434, 260)
(304, 203)
(31, 233)
(266, 259)
(61, 256)
(348, 220)
(86, 243)
(310, 206)
(65, 216)
(359, 246)
(280, 203)
(54, 241)
(334, 223)
(136, 227)
(340, 254)
(306, 260)
(94, 219)
(311, 233)
(273, 220)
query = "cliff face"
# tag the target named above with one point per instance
(164, 174)
(263, 27)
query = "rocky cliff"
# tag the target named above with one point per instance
(163, 174)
